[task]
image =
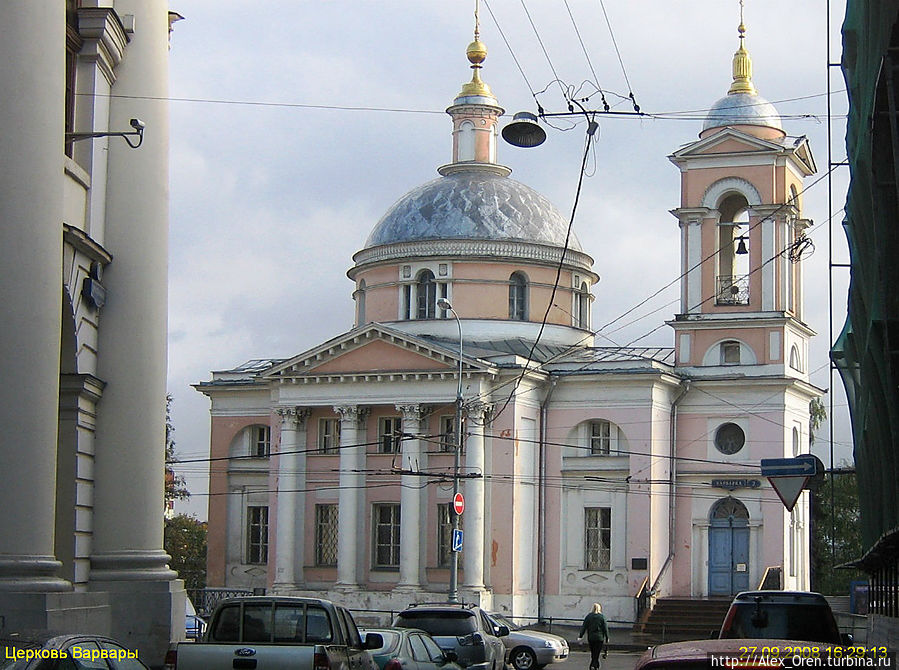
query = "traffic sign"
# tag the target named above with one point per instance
(789, 467)
(458, 504)
(457, 540)
(788, 489)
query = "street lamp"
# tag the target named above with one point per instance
(453, 595)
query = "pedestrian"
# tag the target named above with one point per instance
(597, 634)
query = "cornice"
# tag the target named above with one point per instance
(83, 242)
(104, 37)
(470, 249)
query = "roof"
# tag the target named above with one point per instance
(742, 109)
(474, 203)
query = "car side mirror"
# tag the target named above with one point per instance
(846, 639)
(449, 657)
(373, 641)
(502, 631)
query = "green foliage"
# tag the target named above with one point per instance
(175, 487)
(185, 541)
(836, 532)
(817, 415)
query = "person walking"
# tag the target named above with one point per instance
(597, 632)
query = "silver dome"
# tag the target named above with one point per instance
(737, 109)
(472, 204)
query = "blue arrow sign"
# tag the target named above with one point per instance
(457, 539)
(788, 467)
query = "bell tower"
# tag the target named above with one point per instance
(742, 236)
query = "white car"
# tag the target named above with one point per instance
(530, 649)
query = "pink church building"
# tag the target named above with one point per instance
(589, 472)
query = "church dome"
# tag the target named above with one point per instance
(472, 204)
(742, 109)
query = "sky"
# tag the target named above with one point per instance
(295, 125)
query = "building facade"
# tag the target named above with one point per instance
(82, 450)
(588, 472)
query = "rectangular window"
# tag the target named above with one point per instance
(257, 534)
(730, 353)
(262, 441)
(390, 431)
(597, 538)
(600, 438)
(329, 436)
(326, 517)
(386, 527)
(448, 433)
(407, 302)
(445, 534)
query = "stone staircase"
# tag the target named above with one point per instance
(675, 619)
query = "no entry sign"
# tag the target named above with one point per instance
(458, 503)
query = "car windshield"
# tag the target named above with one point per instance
(811, 623)
(439, 623)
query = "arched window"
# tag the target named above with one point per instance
(582, 307)
(426, 295)
(795, 359)
(466, 142)
(797, 446)
(518, 297)
(733, 251)
(360, 304)
(729, 508)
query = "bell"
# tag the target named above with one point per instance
(524, 131)
(741, 246)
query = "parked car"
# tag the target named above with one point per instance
(271, 633)
(782, 615)
(732, 653)
(410, 649)
(49, 651)
(194, 626)
(529, 649)
(465, 630)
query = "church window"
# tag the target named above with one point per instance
(426, 295)
(389, 434)
(795, 359)
(582, 306)
(326, 517)
(600, 438)
(733, 252)
(328, 436)
(448, 432)
(386, 525)
(466, 141)
(73, 46)
(730, 353)
(729, 438)
(518, 297)
(260, 446)
(445, 534)
(257, 534)
(407, 302)
(797, 446)
(597, 538)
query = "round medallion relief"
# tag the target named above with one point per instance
(729, 438)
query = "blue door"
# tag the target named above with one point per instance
(728, 548)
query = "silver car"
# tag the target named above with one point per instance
(530, 649)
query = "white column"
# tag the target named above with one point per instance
(352, 459)
(129, 465)
(410, 499)
(291, 501)
(474, 543)
(32, 35)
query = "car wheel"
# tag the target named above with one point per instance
(523, 658)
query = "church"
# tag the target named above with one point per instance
(588, 472)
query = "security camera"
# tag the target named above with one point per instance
(138, 125)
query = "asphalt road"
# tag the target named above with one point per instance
(580, 660)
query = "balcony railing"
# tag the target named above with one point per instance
(732, 290)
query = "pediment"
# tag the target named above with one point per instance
(372, 350)
(726, 141)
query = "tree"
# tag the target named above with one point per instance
(175, 486)
(836, 531)
(185, 541)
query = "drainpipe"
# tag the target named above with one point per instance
(541, 502)
(672, 482)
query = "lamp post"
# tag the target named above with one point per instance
(453, 594)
